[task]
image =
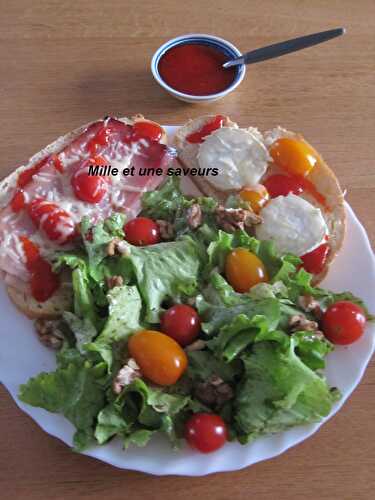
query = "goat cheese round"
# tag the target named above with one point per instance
(239, 155)
(294, 224)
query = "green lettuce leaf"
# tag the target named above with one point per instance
(164, 271)
(124, 313)
(76, 389)
(139, 411)
(96, 239)
(220, 304)
(279, 391)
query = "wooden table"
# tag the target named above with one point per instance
(64, 63)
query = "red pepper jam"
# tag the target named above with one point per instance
(196, 69)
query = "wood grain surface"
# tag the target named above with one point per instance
(64, 63)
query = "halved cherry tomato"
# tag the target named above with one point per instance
(44, 282)
(57, 224)
(147, 130)
(182, 323)
(257, 196)
(314, 261)
(282, 185)
(243, 269)
(293, 155)
(18, 202)
(89, 188)
(159, 357)
(142, 231)
(206, 432)
(343, 322)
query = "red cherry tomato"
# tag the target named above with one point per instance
(206, 432)
(89, 188)
(142, 231)
(314, 261)
(343, 322)
(282, 185)
(147, 130)
(182, 323)
(56, 223)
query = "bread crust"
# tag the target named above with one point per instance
(62, 299)
(321, 176)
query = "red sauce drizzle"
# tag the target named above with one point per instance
(314, 261)
(27, 175)
(43, 282)
(207, 129)
(196, 69)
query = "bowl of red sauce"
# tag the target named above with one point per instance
(190, 68)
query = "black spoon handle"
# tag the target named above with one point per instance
(282, 48)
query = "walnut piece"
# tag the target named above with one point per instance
(231, 219)
(113, 281)
(214, 392)
(299, 322)
(166, 229)
(117, 246)
(49, 332)
(194, 216)
(198, 345)
(125, 376)
(309, 304)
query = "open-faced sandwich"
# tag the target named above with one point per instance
(195, 317)
(279, 176)
(43, 202)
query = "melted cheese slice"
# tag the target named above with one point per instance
(294, 224)
(239, 154)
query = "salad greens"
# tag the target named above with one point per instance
(272, 376)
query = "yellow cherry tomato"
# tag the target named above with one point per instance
(257, 196)
(294, 156)
(243, 269)
(159, 357)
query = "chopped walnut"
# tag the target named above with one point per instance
(194, 216)
(198, 345)
(49, 332)
(213, 392)
(117, 246)
(113, 281)
(309, 304)
(125, 376)
(231, 219)
(166, 229)
(300, 322)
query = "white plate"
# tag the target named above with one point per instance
(22, 356)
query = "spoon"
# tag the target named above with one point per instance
(282, 48)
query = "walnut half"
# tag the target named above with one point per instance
(231, 219)
(49, 332)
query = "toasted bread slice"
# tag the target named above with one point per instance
(62, 299)
(323, 178)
